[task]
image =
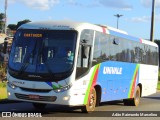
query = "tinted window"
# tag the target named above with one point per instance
(109, 47)
(101, 47)
(43, 51)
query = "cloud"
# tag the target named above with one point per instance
(74, 3)
(144, 19)
(37, 4)
(141, 19)
(11, 1)
(116, 4)
(148, 3)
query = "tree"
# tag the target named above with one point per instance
(2, 16)
(12, 26)
(158, 43)
(22, 22)
(15, 27)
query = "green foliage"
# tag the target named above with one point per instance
(158, 86)
(12, 26)
(3, 85)
(16, 26)
(3, 90)
(22, 22)
(157, 41)
(3, 70)
(159, 76)
(2, 16)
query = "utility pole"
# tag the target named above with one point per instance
(118, 16)
(5, 19)
(152, 21)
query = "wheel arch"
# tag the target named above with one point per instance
(140, 86)
(98, 94)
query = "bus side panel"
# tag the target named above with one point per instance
(148, 78)
(118, 80)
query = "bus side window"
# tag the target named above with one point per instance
(101, 48)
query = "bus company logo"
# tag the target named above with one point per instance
(113, 70)
(34, 76)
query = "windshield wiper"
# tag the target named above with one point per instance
(40, 51)
(51, 74)
(25, 65)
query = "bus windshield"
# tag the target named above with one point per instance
(43, 51)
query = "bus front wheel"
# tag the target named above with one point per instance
(90, 107)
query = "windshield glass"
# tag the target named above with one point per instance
(43, 51)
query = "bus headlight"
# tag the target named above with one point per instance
(65, 88)
(11, 85)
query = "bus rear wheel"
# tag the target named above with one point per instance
(39, 106)
(90, 107)
(134, 101)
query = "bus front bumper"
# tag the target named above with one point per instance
(75, 98)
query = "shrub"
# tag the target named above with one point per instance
(3, 70)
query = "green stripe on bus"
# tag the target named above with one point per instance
(54, 87)
(133, 80)
(90, 84)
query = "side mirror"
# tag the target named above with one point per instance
(116, 41)
(85, 51)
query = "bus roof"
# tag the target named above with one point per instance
(71, 25)
(113, 29)
(53, 25)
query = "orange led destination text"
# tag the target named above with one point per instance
(32, 35)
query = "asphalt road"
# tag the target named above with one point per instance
(149, 105)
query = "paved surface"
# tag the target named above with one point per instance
(150, 103)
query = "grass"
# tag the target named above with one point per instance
(159, 75)
(3, 91)
(158, 86)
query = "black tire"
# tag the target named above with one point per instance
(39, 106)
(90, 107)
(134, 101)
(127, 102)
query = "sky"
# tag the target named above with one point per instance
(136, 19)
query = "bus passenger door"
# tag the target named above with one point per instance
(84, 54)
(83, 63)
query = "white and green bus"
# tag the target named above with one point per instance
(80, 64)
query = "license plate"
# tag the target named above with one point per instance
(34, 97)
